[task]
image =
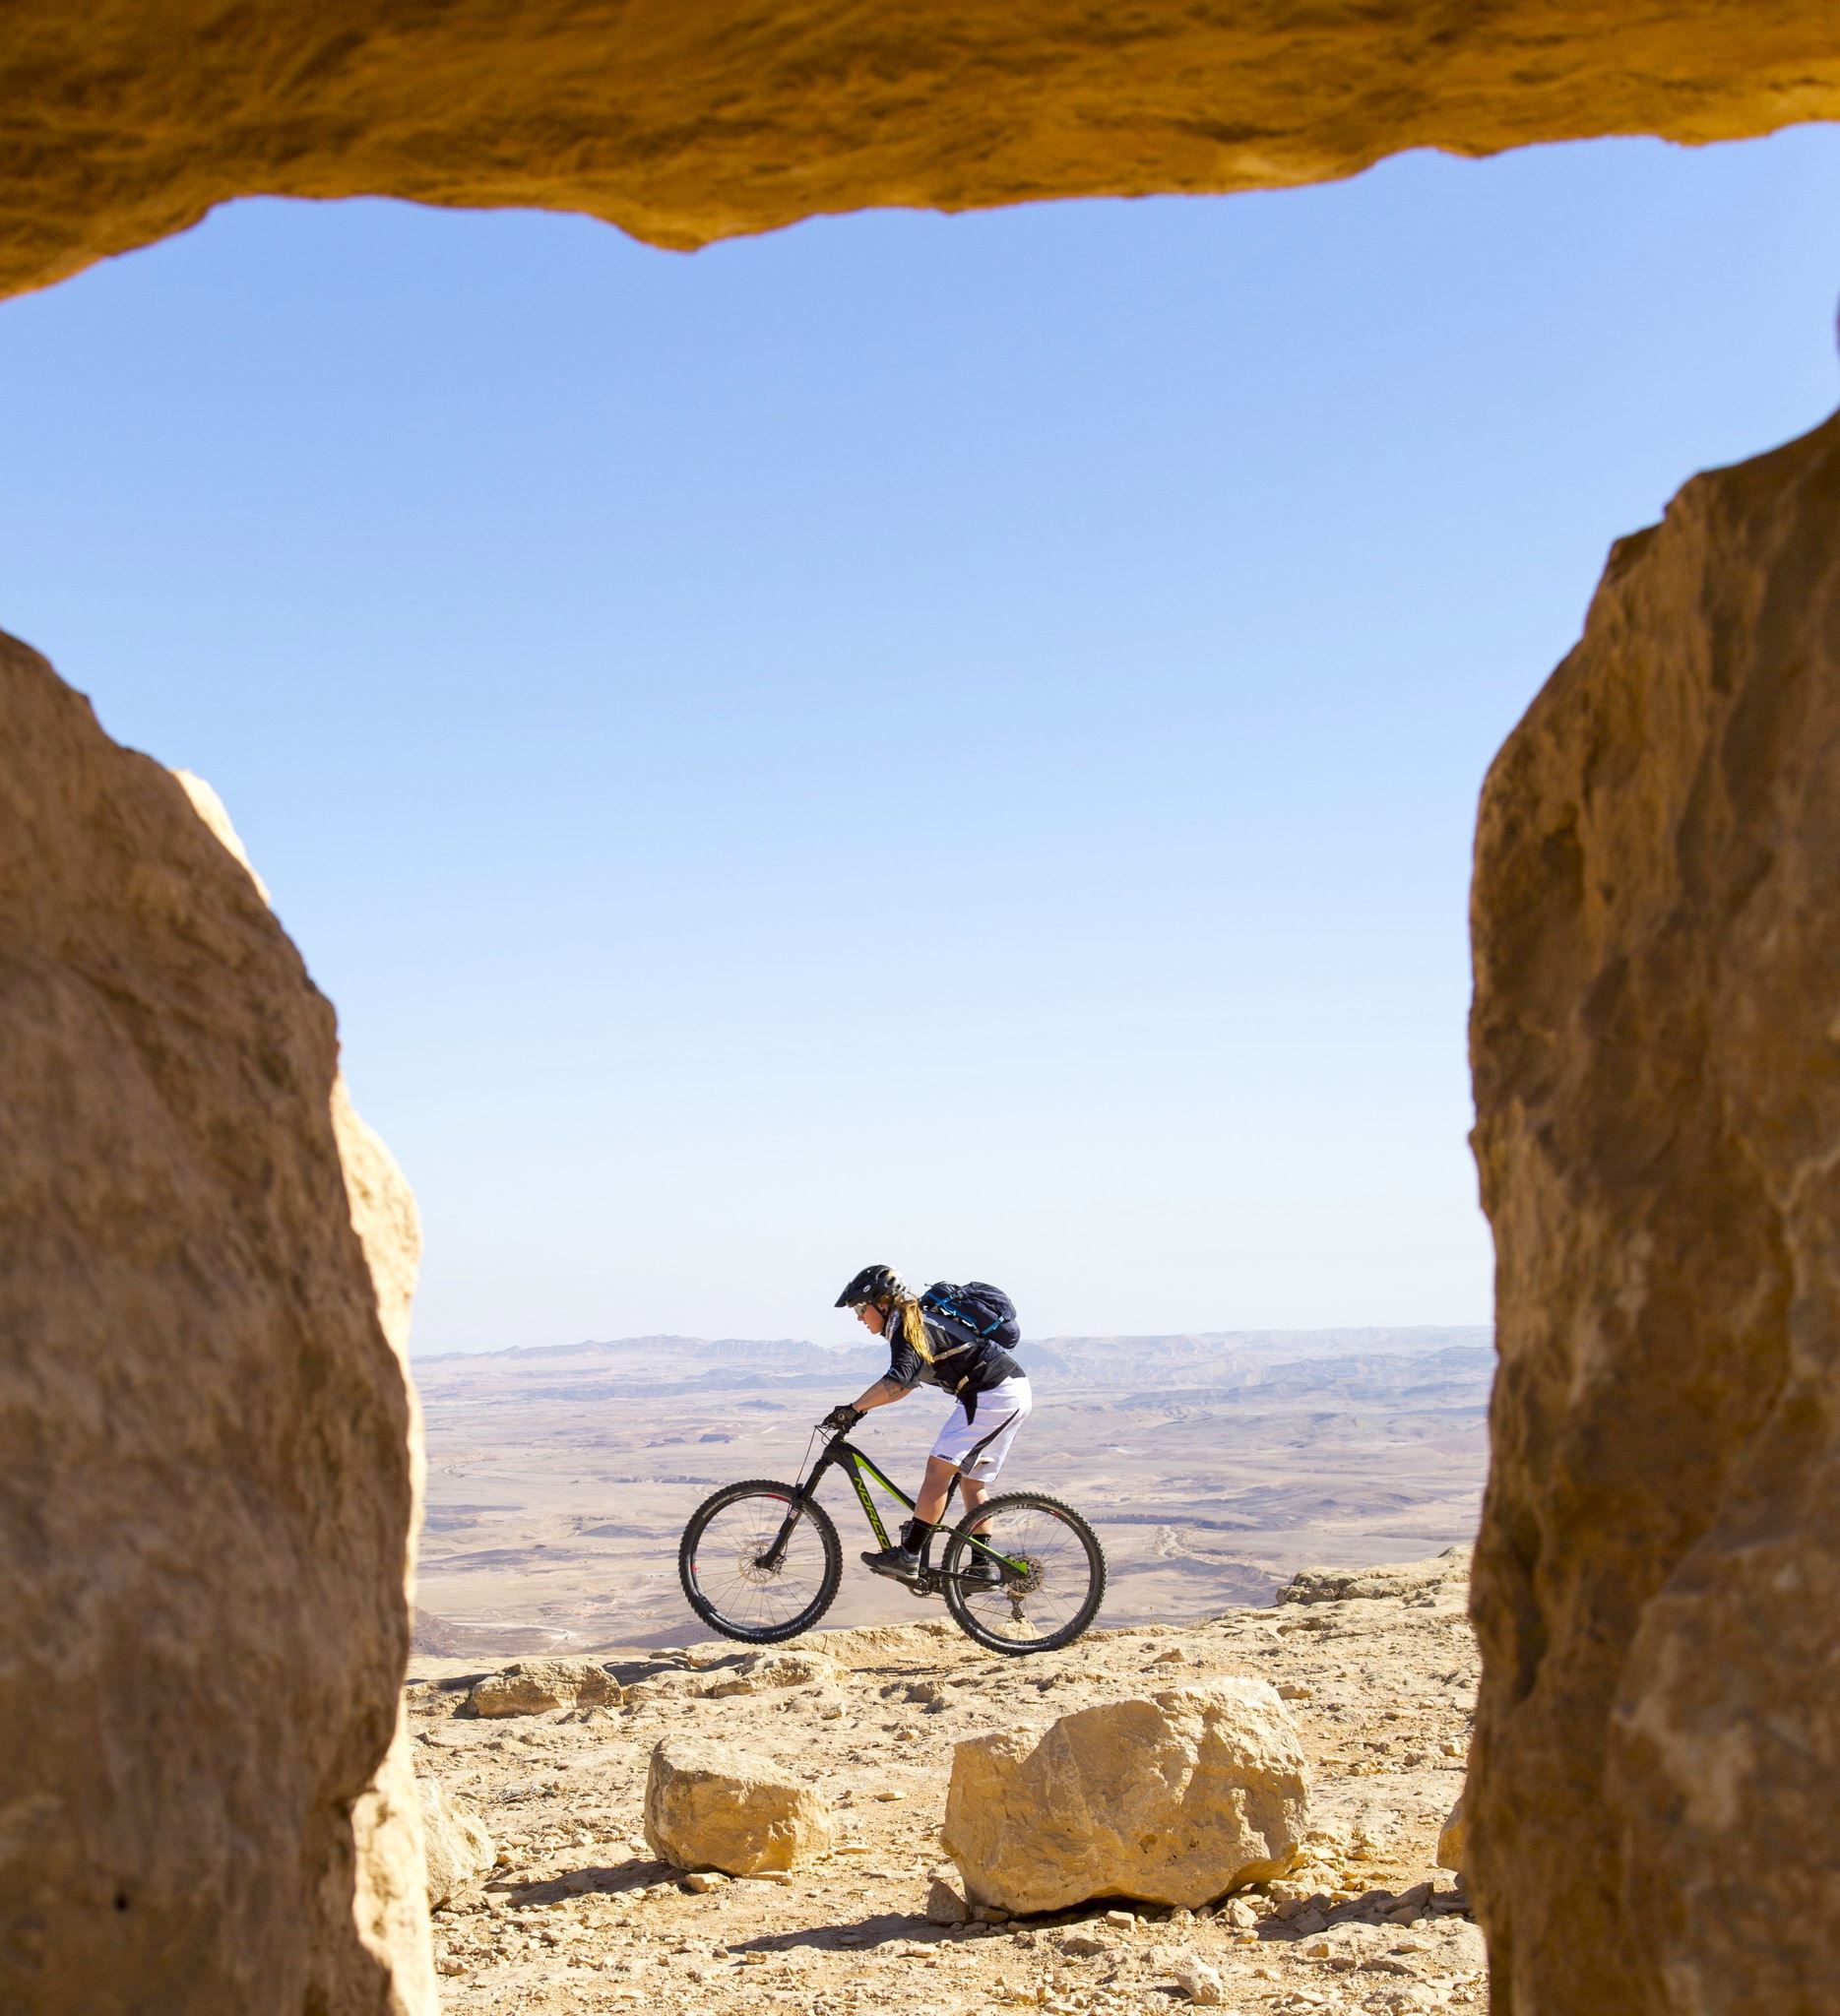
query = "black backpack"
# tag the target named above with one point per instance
(975, 1311)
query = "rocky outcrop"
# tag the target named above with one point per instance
(536, 1685)
(458, 1848)
(206, 1478)
(761, 1672)
(1176, 1799)
(127, 119)
(1657, 1063)
(1444, 1577)
(711, 1806)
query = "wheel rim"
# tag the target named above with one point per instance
(1056, 1587)
(726, 1567)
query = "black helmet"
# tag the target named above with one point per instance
(869, 1285)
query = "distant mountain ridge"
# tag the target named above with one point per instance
(662, 1343)
(649, 1347)
(1272, 1360)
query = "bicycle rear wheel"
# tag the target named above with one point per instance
(722, 1563)
(1054, 1593)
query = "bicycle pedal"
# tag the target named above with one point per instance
(895, 1570)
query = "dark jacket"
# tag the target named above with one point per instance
(962, 1369)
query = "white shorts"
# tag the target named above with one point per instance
(977, 1447)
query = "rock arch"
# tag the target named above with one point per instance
(206, 1437)
(687, 120)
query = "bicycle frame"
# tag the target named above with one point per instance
(844, 1454)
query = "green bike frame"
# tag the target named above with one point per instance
(842, 1453)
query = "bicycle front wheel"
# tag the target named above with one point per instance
(1052, 1577)
(736, 1580)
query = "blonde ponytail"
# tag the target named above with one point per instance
(913, 1328)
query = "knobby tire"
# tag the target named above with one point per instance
(978, 1614)
(718, 1590)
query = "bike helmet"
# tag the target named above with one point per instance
(869, 1285)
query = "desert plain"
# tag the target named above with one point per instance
(1213, 1467)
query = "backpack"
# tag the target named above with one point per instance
(977, 1312)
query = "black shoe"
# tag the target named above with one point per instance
(980, 1572)
(895, 1561)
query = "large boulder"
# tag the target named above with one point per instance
(208, 1470)
(534, 1685)
(711, 1806)
(1174, 1798)
(1656, 1039)
(458, 1848)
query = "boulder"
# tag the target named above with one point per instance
(1198, 1980)
(207, 1442)
(711, 1806)
(1174, 1798)
(944, 1906)
(533, 1686)
(1450, 1839)
(1649, 1810)
(459, 1850)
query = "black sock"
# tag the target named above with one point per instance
(914, 1534)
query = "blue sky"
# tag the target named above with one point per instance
(946, 740)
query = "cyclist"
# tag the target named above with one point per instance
(993, 1401)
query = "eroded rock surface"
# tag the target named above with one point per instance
(1174, 1798)
(126, 119)
(1656, 1043)
(761, 1672)
(460, 1850)
(534, 1685)
(207, 1473)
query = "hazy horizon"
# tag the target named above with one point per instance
(858, 1340)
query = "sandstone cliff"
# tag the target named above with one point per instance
(1657, 1061)
(206, 1478)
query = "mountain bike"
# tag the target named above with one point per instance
(761, 1560)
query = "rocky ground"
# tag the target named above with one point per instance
(577, 1915)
